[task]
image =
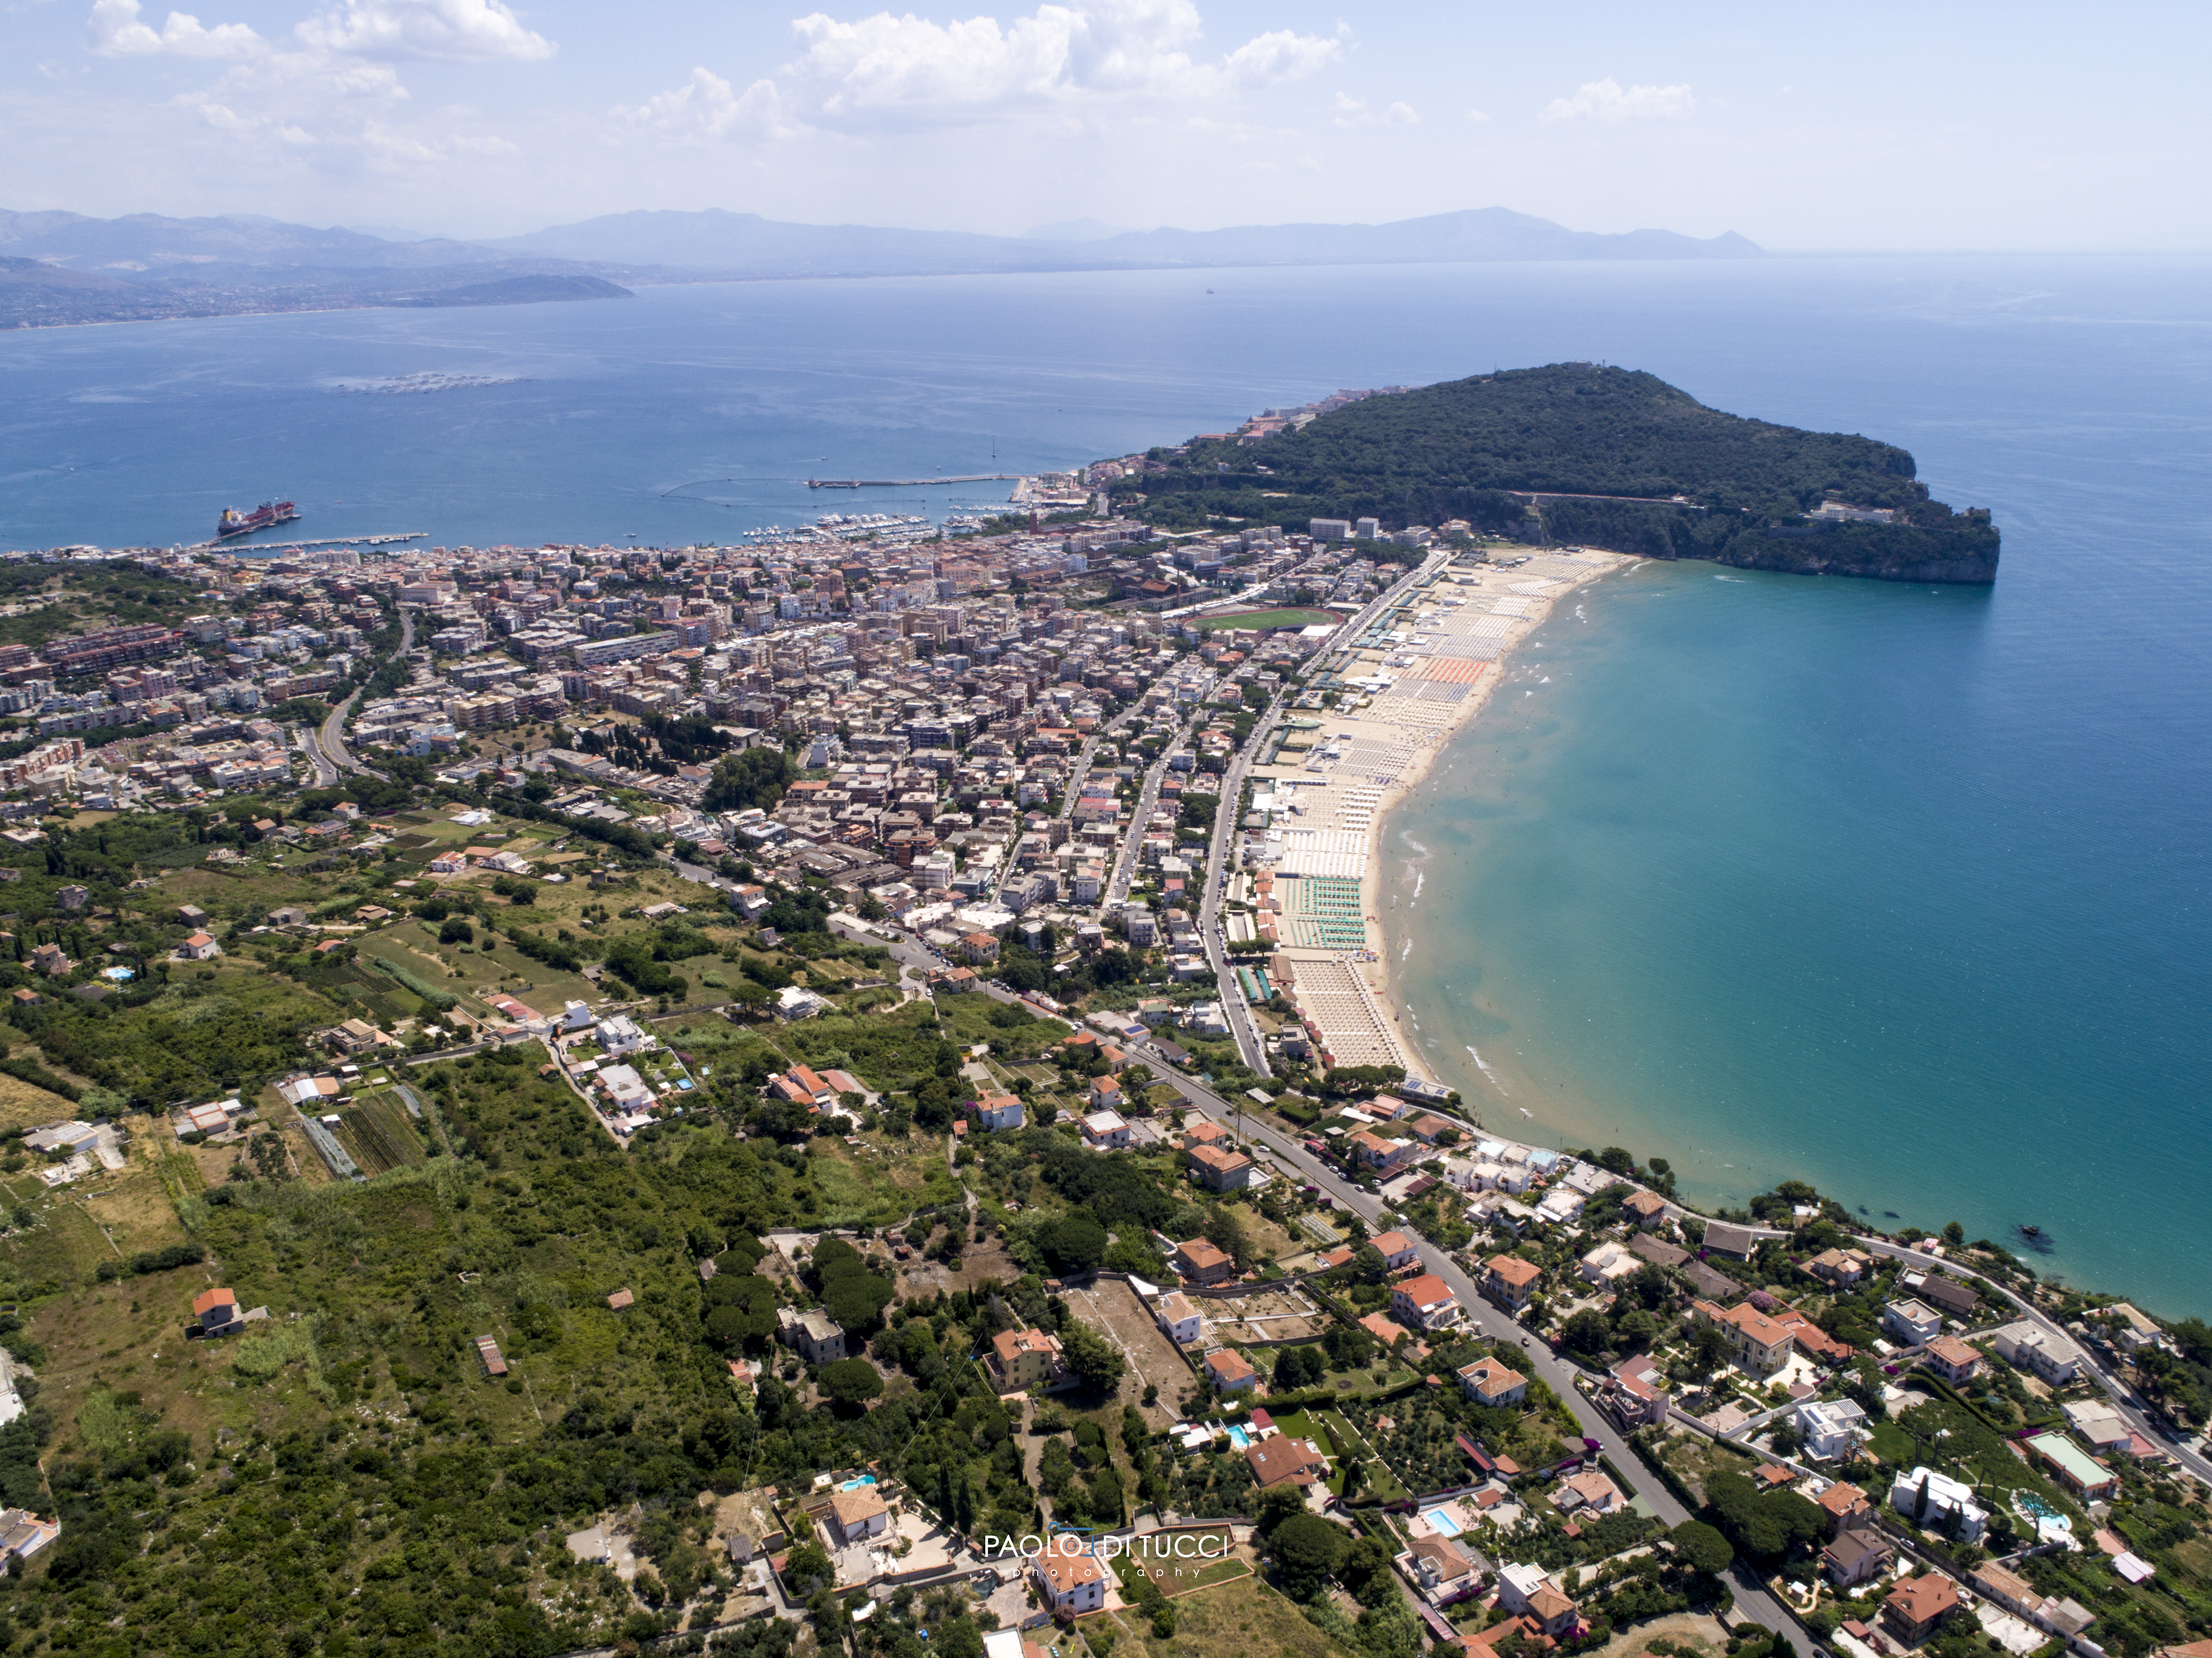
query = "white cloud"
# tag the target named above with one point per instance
(117, 32)
(887, 70)
(1276, 56)
(1605, 100)
(706, 106)
(369, 81)
(1478, 115)
(1350, 113)
(458, 30)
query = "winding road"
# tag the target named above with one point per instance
(326, 749)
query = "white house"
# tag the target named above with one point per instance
(999, 1111)
(199, 947)
(625, 1087)
(796, 1002)
(619, 1034)
(2057, 1361)
(859, 1513)
(575, 1016)
(1069, 1577)
(1911, 1322)
(1397, 1249)
(1179, 1317)
(1931, 1498)
(1830, 1428)
(1105, 1131)
(1608, 1262)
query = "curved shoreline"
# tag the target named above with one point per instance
(1399, 942)
(1422, 673)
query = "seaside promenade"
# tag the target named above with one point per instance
(1414, 667)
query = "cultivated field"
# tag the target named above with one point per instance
(1175, 1561)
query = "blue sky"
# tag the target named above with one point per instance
(1866, 127)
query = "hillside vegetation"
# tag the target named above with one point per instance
(1456, 450)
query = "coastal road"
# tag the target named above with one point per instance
(1752, 1599)
(2124, 1399)
(1374, 607)
(1250, 1047)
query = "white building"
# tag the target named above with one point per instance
(1830, 1428)
(1178, 1315)
(1932, 1499)
(2057, 1361)
(1911, 1322)
(1607, 1262)
(619, 1034)
(1105, 1131)
(1069, 1577)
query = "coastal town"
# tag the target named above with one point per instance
(874, 1062)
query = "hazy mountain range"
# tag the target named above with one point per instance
(58, 267)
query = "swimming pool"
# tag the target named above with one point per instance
(855, 1485)
(1442, 1519)
(1238, 1437)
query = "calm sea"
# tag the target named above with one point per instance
(1900, 890)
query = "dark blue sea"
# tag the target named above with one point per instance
(1901, 890)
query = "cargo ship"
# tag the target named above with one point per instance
(234, 524)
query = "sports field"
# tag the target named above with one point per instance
(1292, 618)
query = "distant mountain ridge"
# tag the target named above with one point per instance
(745, 244)
(144, 265)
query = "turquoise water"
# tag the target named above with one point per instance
(1899, 889)
(1903, 891)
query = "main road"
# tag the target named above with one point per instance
(1226, 827)
(326, 750)
(1125, 859)
(1250, 1047)
(1752, 1599)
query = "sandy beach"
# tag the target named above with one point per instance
(1413, 678)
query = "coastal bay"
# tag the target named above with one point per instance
(2016, 777)
(1653, 915)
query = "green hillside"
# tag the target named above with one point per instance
(1457, 450)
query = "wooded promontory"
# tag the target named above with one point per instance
(1577, 453)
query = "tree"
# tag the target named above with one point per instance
(1276, 1508)
(1227, 1231)
(1587, 1332)
(1076, 1242)
(851, 1382)
(1365, 1570)
(1709, 1349)
(1306, 1549)
(1091, 1356)
(1702, 1547)
(807, 1563)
